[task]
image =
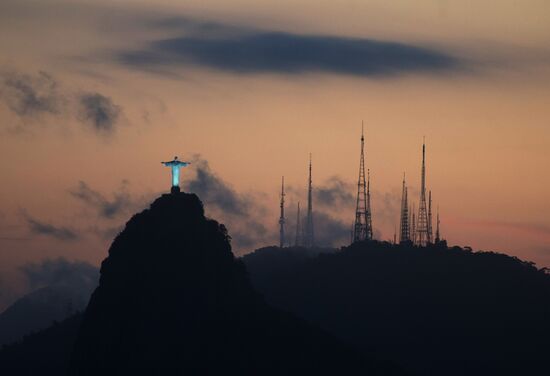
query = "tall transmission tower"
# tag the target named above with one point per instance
(422, 226)
(368, 214)
(437, 235)
(297, 240)
(430, 232)
(282, 217)
(404, 231)
(413, 225)
(309, 238)
(360, 226)
(362, 229)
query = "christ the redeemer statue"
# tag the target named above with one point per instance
(175, 165)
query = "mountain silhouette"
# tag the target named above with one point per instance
(60, 288)
(45, 352)
(39, 309)
(173, 298)
(434, 310)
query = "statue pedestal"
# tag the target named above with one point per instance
(175, 189)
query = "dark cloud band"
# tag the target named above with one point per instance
(250, 52)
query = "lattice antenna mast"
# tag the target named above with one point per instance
(360, 226)
(413, 221)
(422, 227)
(430, 223)
(309, 241)
(368, 216)
(404, 231)
(437, 237)
(282, 217)
(297, 241)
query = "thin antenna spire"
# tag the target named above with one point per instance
(422, 227)
(297, 241)
(282, 217)
(309, 238)
(368, 213)
(437, 235)
(415, 235)
(361, 228)
(404, 230)
(430, 233)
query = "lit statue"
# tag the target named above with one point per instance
(176, 165)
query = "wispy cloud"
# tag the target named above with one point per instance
(29, 96)
(330, 231)
(242, 213)
(215, 191)
(99, 112)
(121, 202)
(60, 271)
(335, 192)
(47, 229)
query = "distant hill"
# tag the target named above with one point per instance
(45, 352)
(268, 261)
(436, 310)
(40, 308)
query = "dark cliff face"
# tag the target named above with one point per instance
(172, 297)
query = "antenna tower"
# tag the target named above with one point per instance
(297, 241)
(437, 236)
(404, 231)
(282, 218)
(368, 213)
(362, 230)
(422, 227)
(413, 224)
(430, 223)
(309, 239)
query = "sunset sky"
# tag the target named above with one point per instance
(95, 94)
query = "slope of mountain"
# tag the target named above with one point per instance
(437, 311)
(172, 298)
(40, 308)
(46, 352)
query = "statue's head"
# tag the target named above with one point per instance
(176, 157)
